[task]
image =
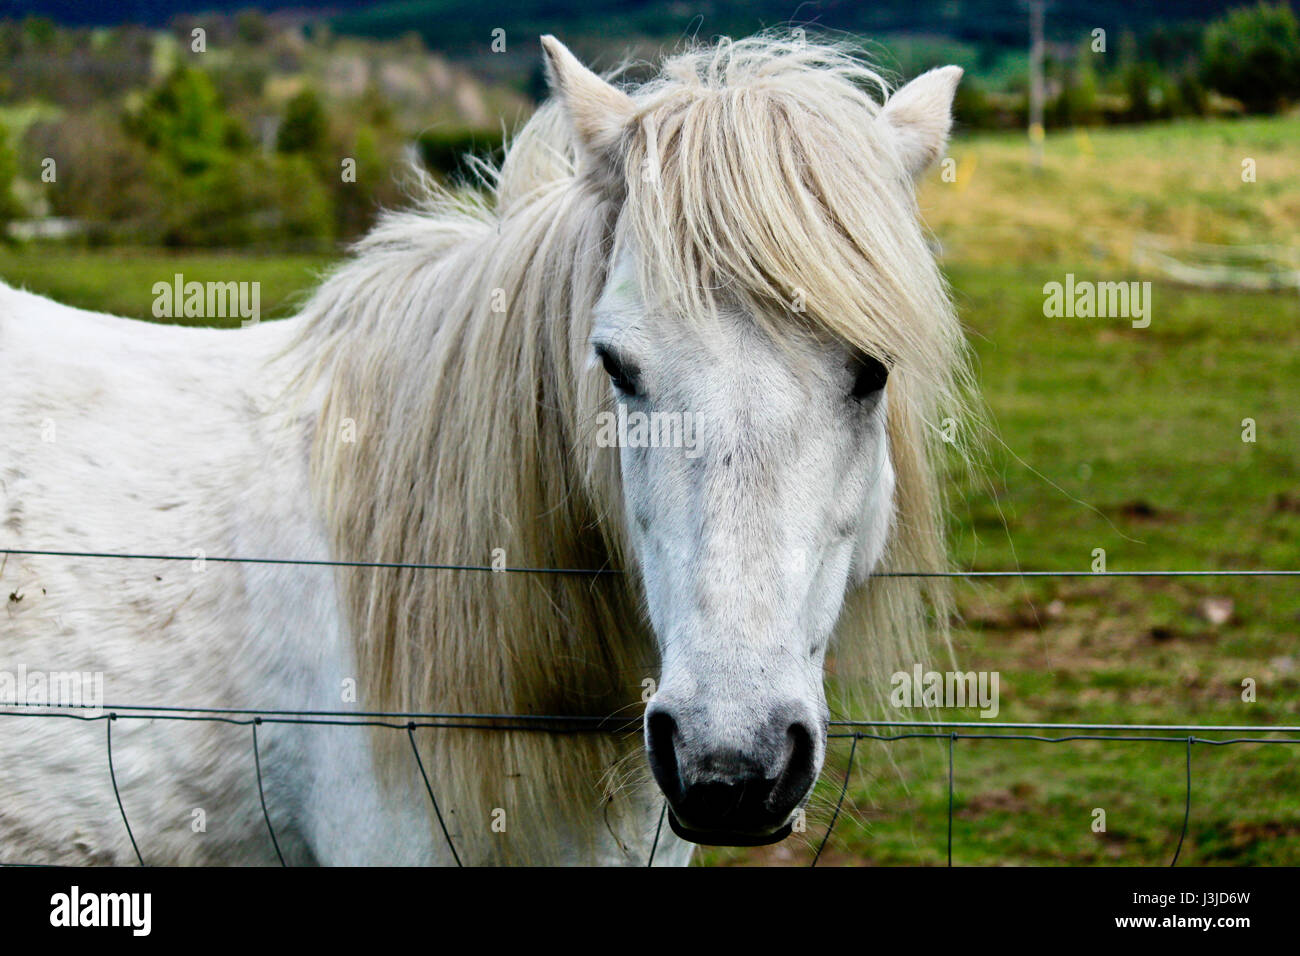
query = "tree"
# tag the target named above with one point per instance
(1253, 55)
(1078, 103)
(304, 128)
(183, 121)
(251, 27)
(1139, 86)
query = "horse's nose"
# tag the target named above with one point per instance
(724, 794)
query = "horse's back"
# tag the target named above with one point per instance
(86, 365)
(119, 436)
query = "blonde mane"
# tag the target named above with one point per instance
(450, 364)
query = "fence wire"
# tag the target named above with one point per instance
(852, 730)
(566, 724)
(598, 572)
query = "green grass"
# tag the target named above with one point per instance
(1099, 188)
(1105, 436)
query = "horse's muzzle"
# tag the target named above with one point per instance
(728, 797)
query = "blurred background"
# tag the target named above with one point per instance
(1115, 141)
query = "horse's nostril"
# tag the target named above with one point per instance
(800, 769)
(661, 730)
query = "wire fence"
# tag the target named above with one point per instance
(1255, 268)
(597, 572)
(853, 730)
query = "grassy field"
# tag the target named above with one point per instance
(1098, 189)
(1106, 436)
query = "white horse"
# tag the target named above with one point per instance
(730, 256)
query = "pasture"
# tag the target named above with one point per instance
(1107, 437)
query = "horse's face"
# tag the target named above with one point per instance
(746, 537)
(776, 499)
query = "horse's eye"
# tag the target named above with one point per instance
(869, 378)
(621, 374)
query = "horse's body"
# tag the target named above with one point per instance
(166, 438)
(468, 432)
(174, 439)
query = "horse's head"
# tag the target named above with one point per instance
(746, 538)
(753, 422)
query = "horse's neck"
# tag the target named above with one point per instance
(447, 435)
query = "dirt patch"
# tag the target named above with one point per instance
(1286, 503)
(1141, 511)
(1248, 833)
(1012, 800)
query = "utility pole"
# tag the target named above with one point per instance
(1036, 92)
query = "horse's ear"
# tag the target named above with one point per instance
(600, 113)
(921, 116)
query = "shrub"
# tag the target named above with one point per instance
(1253, 55)
(443, 150)
(304, 127)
